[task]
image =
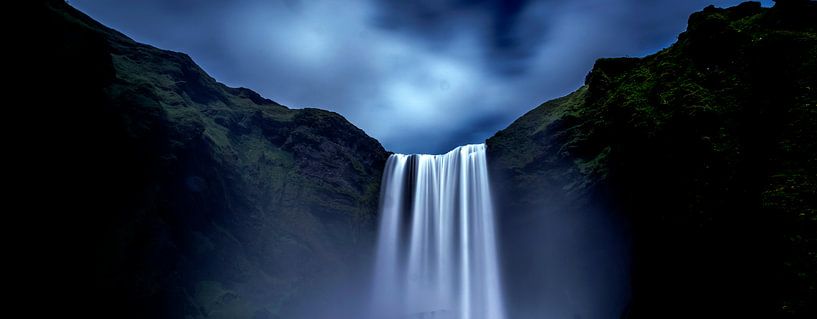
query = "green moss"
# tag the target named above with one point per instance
(706, 143)
(240, 203)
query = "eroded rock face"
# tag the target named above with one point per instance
(706, 149)
(201, 200)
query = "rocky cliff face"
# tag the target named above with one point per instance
(177, 196)
(197, 199)
(707, 149)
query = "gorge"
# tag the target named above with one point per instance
(681, 184)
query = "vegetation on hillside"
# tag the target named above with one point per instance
(708, 147)
(202, 200)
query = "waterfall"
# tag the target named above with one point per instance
(436, 250)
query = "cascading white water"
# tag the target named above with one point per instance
(437, 254)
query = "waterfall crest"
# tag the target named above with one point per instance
(436, 250)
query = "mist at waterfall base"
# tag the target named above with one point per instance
(566, 259)
(564, 262)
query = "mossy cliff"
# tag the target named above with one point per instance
(707, 148)
(165, 194)
(196, 199)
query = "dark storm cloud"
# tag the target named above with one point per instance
(420, 76)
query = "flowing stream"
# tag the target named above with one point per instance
(436, 250)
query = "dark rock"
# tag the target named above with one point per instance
(198, 200)
(705, 148)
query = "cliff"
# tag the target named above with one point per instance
(193, 199)
(166, 194)
(705, 149)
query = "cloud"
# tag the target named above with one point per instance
(420, 76)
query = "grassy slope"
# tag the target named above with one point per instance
(202, 200)
(709, 147)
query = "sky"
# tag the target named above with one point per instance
(421, 76)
